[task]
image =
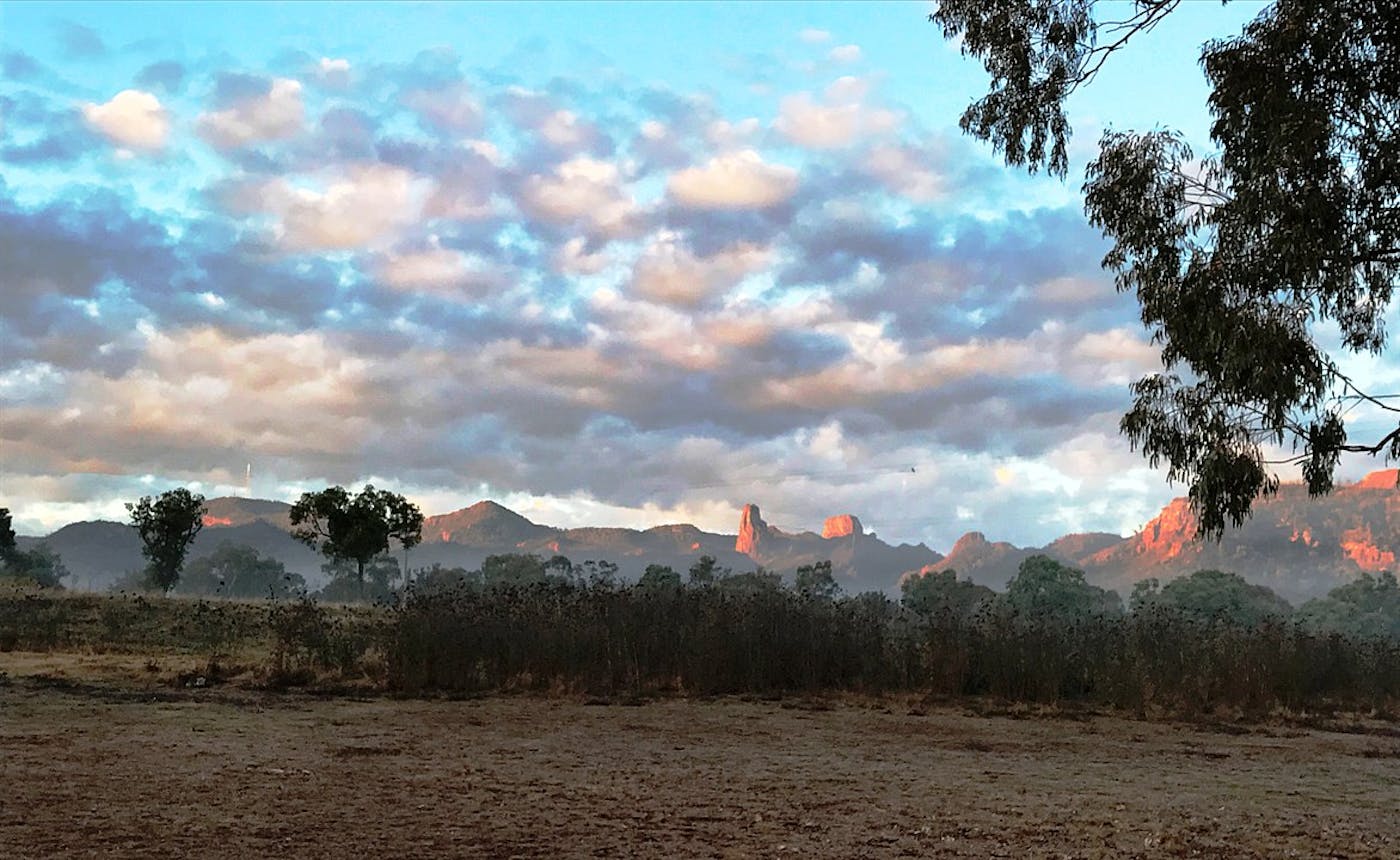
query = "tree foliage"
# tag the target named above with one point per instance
(816, 580)
(167, 524)
(1242, 261)
(1045, 589)
(1367, 607)
(349, 583)
(355, 528)
(238, 571)
(939, 593)
(1212, 596)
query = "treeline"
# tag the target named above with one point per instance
(1205, 641)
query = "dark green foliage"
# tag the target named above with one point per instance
(40, 567)
(513, 569)
(7, 534)
(816, 580)
(659, 576)
(352, 583)
(1212, 596)
(1244, 262)
(704, 571)
(757, 580)
(167, 525)
(605, 639)
(238, 571)
(939, 593)
(1045, 589)
(1369, 607)
(438, 579)
(356, 528)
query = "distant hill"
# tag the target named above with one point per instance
(1299, 546)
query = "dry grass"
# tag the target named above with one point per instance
(122, 771)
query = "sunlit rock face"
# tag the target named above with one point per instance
(1385, 479)
(1359, 545)
(752, 531)
(845, 525)
(1171, 531)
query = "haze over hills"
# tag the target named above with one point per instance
(1299, 546)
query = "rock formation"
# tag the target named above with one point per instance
(844, 525)
(752, 531)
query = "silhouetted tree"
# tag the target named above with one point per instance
(939, 593)
(1044, 588)
(1211, 595)
(659, 576)
(1244, 263)
(167, 525)
(347, 584)
(238, 571)
(815, 580)
(355, 528)
(706, 571)
(512, 569)
(1368, 606)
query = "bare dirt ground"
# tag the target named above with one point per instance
(97, 770)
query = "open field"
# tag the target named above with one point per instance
(125, 770)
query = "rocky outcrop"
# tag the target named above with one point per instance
(1170, 532)
(752, 531)
(1385, 479)
(844, 525)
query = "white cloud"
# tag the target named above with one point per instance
(582, 190)
(844, 54)
(738, 180)
(440, 271)
(669, 273)
(813, 36)
(839, 120)
(132, 118)
(354, 207)
(275, 115)
(333, 72)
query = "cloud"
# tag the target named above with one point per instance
(132, 118)
(348, 207)
(333, 72)
(442, 272)
(584, 192)
(813, 36)
(80, 42)
(275, 112)
(168, 75)
(738, 180)
(669, 273)
(841, 118)
(844, 54)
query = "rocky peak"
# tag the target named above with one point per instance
(752, 530)
(844, 525)
(1385, 479)
(969, 542)
(1169, 532)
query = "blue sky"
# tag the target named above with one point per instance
(606, 263)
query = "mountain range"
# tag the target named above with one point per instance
(1299, 546)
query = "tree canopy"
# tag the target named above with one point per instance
(238, 571)
(1047, 590)
(1247, 260)
(355, 528)
(1210, 596)
(167, 524)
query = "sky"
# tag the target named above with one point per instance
(612, 264)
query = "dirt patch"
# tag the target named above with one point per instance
(205, 773)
